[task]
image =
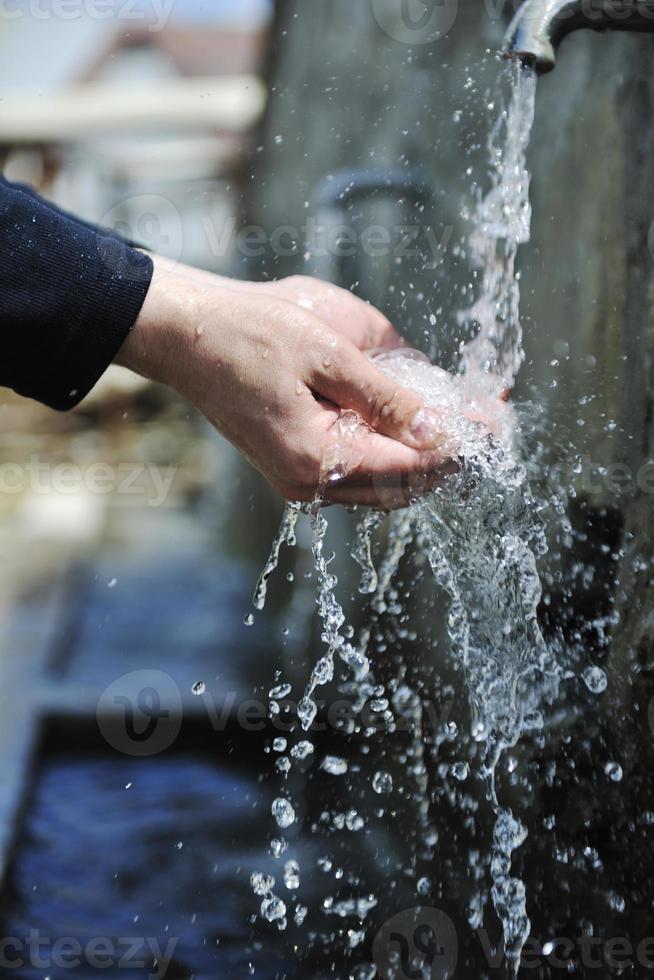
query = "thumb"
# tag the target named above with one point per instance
(351, 381)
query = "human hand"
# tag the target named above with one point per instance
(273, 376)
(339, 309)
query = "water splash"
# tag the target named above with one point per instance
(502, 222)
(480, 530)
(482, 536)
(285, 535)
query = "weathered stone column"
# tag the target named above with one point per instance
(347, 95)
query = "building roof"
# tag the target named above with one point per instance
(41, 55)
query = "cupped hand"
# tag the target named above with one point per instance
(272, 375)
(340, 309)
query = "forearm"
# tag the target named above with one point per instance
(68, 298)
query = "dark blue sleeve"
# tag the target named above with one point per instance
(69, 295)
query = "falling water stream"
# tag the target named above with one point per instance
(480, 531)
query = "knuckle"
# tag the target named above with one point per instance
(304, 472)
(299, 281)
(384, 406)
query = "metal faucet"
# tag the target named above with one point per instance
(539, 26)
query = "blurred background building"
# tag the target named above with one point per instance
(140, 117)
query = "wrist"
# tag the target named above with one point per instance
(158, 344)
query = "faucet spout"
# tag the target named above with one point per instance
(539, 26)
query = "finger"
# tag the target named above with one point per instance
(380, 331)
(378, 459)
(367, 326)
(378, 470)
(351, 381)
(388, 489)
(368, 497)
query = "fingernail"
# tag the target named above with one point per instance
(427, 427)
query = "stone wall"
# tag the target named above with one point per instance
(348, 96)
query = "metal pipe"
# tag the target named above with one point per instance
(539, 26)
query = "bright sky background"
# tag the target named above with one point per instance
(37, 54)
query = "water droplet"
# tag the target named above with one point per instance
(112, 583)
(595, 679)
(382, 782)
(614, 771)
(278, 846)
(306, 711)
(379, 704)
(353, 821)
(248, 620)
(451, 730)
(302, 750)
(279, 744)
(199, 688)
(334, 765)
(461, 771)
(479, 731)
(292, 875)
(283, 812)
(364, 971)
(273, 908)
(323, 672)
(279, 692)
(617, 902)
(261, 884)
